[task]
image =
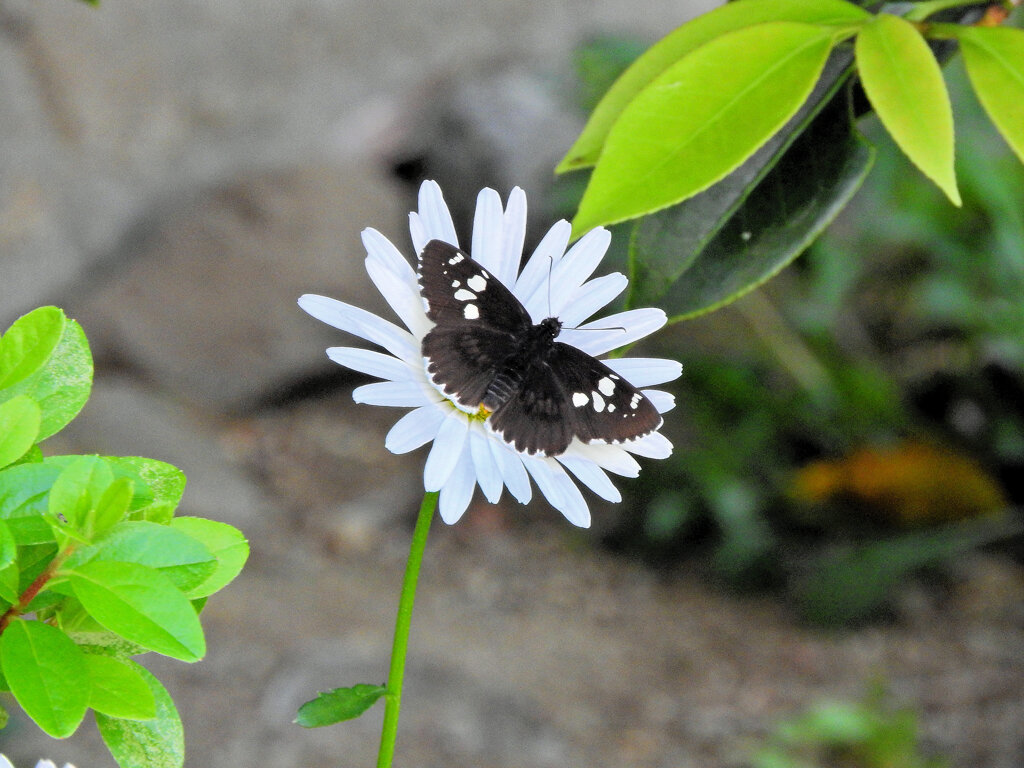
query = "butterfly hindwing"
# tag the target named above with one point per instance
(459, 290)
(463, 359)
(536, 419)
(602, 406)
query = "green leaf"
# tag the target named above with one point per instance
(119, 689)
(8, 546)
(340, 704)
(61, 386)
(904, 84)
(24, 499)
(142, 605)
(28, 344)
(703, 117)
(78, 488)
(686, 262)
(180, 557)
(994, 57)
(112, 505)
(10, 578)
(158, 490)
(19, 426)
(155, 743)
(225, 542)
(687, 38)
(47, 674)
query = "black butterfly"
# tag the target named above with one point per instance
(485, 352)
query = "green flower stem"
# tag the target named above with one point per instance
(393, 697)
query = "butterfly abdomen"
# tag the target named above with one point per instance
(501, 389)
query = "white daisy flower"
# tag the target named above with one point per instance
(554, 282)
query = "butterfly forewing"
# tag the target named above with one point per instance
(458, 291)
(486, 349)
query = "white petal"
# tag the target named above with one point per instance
(458, 490)
(363, 324)
(645, 371)
(663, 401)
(559, 490)
(537, 269)
(487, 473)
(418, 427)
(487, 225)
(417, 233)
(609, 457)
(374, 364)
(513, 233)
(653, 446)
(589, 299)
(592, 476)
(513, 473)
(605, 334)
(396, 394)
(434, 216)
(580, 262)
(445, 453)
(396, 281)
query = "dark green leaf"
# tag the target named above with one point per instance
(155, 743)
(47, 674)
(142, 605)
(28, 344)
(340, 704)
(19, 426)
(119, 689)
(62, 385)
(180, 557)
(702, 254)
(225, 542)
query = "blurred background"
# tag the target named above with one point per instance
(828, 570)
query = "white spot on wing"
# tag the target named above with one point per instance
(477, 282)
(463, 295)
(470, 312)
(456, 283)
(455, 259)
(607, 386)
(598, 401)
(580, 399)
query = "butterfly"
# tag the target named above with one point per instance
(487, 355)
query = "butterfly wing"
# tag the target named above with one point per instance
(603, 406)
(478, 322)
(537, 417)
(459, 291)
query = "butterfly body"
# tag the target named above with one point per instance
(487, 355)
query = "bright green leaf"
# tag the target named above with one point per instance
(61, 386)
(785, 212)
(904, 84)
(19, 426)
(78, 488)
(155, 743)
(112, 505)
(994, 57)
(702, 118)
(687, 38)
(8, 546)
(340, 704)
(119, 689)
(142, 605)
(180, 557)
(158, 490)
(10, 582)
(47, 674)
(28, 344)
(225, 542)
